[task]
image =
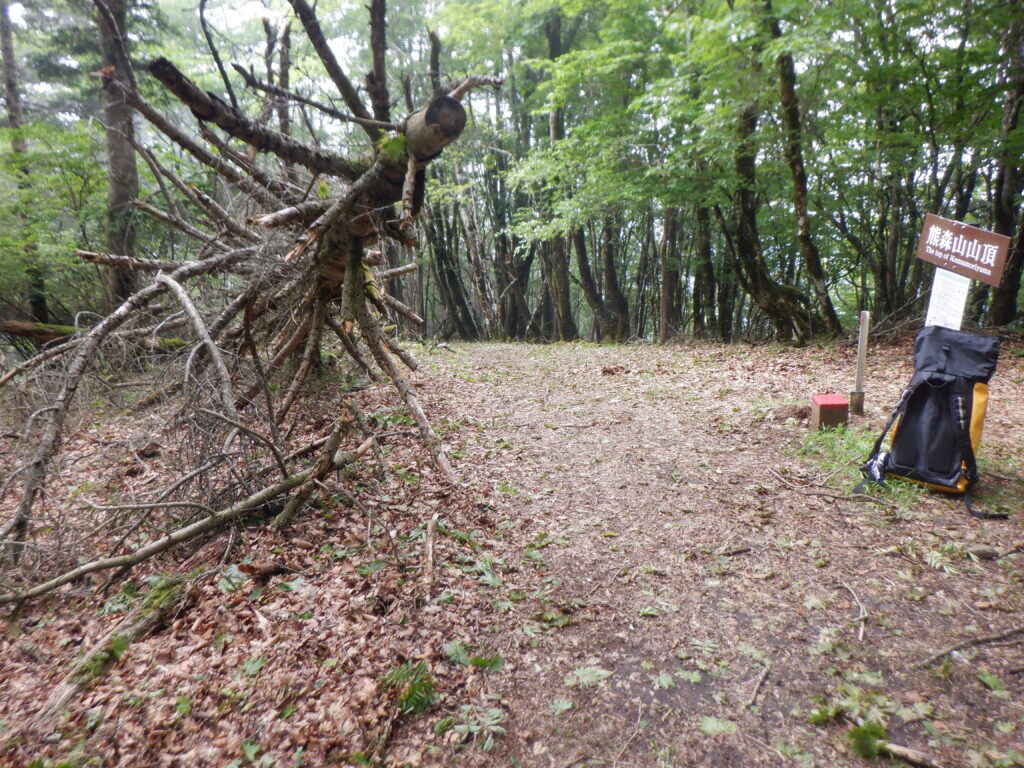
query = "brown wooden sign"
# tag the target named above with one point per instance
(963, 249)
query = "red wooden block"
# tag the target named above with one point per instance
(829, 411)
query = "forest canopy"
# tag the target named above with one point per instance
(714, 169)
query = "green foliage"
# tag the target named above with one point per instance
(415, 686)
(481, 724)
(714, 726)
(864, 740)
(586, 677)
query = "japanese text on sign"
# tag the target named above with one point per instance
(963, 249)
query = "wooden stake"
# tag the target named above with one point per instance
(857, 395)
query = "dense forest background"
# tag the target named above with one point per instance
(648, 170)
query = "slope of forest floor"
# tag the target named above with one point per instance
(653, 563)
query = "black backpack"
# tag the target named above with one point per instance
(936, 425)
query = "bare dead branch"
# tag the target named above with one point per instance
(283, 93)
(475, 81)
(216, 55)
(391, 274)
(207, 107)
(129, 262)
(316, 36)
(301, 213)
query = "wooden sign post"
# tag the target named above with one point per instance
(857, 395)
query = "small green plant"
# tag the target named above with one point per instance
(479, 724)
(867, 739)
(585, 677)
(415, 685)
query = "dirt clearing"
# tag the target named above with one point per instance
(684, 585)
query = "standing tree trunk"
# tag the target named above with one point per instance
(795, 160)
(556, 256)
(784, 305)
(704, 281)
(122, 172)
(1009, 177)
(669, 304)
(616, 298)
(12, 96)
(604, 320)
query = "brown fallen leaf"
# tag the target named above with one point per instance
(260, 572)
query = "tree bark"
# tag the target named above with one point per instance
(1009, 178)
(616, 298)
(668, 304)
(704, 280)
(784, 305)
(122, 171)
(795, 159)
(555, 255)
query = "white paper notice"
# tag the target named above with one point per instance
(949, 299)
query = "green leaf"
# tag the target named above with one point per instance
(864, 739)
(118, 645)
(250, 750)
(991, 681)
(713, 726)
(393, 146)
(585, 677)
(290, 586)
(560, 706)
(372, 567)
(689, 675)
(253, 666)
(648, 611)
(183, 706)
(287, 711)
(456, 653)
(488, 663)
(231, 579)
(664, 680)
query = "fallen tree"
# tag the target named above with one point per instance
(273, 270)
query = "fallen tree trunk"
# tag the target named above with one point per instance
(44, 333)
(162, 602)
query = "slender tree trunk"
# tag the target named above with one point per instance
(604, 320)
(122, 173)
(704, 281)
(668, 305)
(795, 159)
(12, 95)
(1009, 177)
(556, 256)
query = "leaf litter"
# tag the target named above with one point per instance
(706, 581)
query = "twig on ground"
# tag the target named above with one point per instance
(428, 555)
(970, 643)
(757, 688)
(863, 617)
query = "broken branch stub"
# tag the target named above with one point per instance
(431, 129)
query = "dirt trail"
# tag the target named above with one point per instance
(678, 584)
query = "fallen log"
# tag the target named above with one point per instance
(44, 333)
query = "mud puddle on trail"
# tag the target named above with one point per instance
(677, 585)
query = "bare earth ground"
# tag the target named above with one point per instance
(649, 547)
(654, 503)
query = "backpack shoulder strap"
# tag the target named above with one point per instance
(873, 468)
